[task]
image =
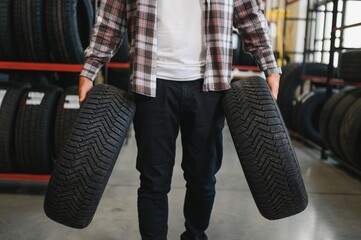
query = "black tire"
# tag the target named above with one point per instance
(288, 68)
(119, 78)
(34, 131)
(30, 31)
(240, 57)
(350, 134)
(68, 109)
(264, 149)
(4, 77)
(34, 78)
(10, 96)
(69, 24)
(350, 66)
(290, 82)
(336, 120)
(84, 166)
(307, 114)
(7, 47)
(326, 114)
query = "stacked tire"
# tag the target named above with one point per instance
(306, 114)
(340, 125)
(34, 129)
(340, 121)
(45, 30)
(68, 25)
(67, 111)
(29, 27)
(290, 85)
(7, 36)
(300, 108)
(34, 121)
(239, 56)
(350, 66)
(10, 97)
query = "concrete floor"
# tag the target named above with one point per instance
(334, 211)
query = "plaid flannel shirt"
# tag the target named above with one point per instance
(139, 19)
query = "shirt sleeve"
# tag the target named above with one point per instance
(106, 38)
(249, 19)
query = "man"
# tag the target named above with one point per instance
(181, 55)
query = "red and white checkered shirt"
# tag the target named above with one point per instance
(139, 18)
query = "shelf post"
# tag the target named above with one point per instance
(332, 47)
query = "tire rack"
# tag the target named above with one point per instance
(329, 81)
(66, 68)
(39, 67)
(43, 67)
(309, 51)
(276, 5)
(63, 68)
(57, 67)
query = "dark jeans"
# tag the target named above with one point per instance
(199, 116)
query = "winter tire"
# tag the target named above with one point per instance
(84, 165)
(69, 24)
(10, 96)
(34, 131)
(264, 149)
(34, 78)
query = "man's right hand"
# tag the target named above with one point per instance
(85, 84)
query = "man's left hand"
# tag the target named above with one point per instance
(273, 81)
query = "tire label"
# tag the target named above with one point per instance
(2, 95)
(309, 95)
(71, 102)
(235, 41)
(34, 98)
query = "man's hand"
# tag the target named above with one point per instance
(273, 81)
(85, 84)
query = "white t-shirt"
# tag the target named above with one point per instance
(181, 40)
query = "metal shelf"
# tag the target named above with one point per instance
(53, 67)
(24, 177)
(60, 67)
(332, 81)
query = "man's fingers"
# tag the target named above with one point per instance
(82, 95)
(274, 92)
(85, 85)
(81, 98)
(273, 81)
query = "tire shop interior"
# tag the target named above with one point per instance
(317, 44)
